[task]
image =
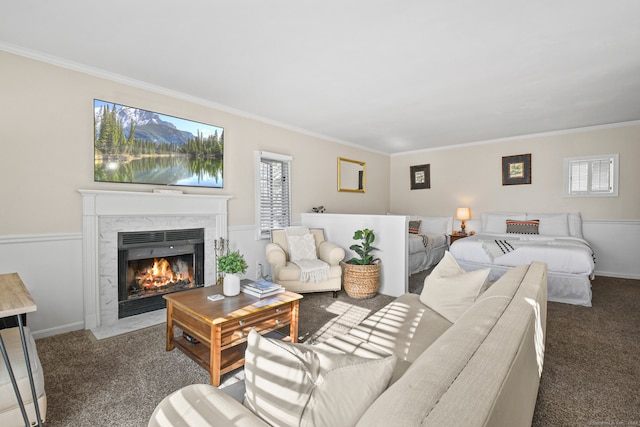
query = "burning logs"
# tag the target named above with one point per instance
(157, 278)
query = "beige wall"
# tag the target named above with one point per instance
(471, 176)
(46, 132)
(47, 155)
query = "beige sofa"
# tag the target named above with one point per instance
(481, 370)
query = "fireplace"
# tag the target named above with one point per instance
(154, 263)
(107, 213)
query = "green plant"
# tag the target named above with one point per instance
(232, 262)
(364, 249)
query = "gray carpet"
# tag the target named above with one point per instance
(119, 381)
(591, 372)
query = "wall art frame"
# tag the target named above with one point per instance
(420, 176)
(516, 169)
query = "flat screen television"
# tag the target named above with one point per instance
(132, 145)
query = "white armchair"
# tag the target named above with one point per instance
(287, 274)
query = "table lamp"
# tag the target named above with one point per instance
(463, 214)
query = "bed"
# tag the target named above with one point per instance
(510, 239)
(427, 241)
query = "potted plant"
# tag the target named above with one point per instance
(231, 264)
(361, 274)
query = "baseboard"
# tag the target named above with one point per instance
(617, 275)
(63, 329)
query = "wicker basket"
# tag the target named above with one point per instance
(361, 281)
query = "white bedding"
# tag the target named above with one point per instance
(427, 247)
(565, 254)
(558, 242)
(425, 241)
(425, 251)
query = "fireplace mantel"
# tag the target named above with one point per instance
(107, 212)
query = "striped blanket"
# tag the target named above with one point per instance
(418, 243)
(498, 247)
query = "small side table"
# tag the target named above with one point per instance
(454, 237)
(15, 300)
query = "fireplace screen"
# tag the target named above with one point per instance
(154, 263)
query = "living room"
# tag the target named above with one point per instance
(47, 110)
(41, 246)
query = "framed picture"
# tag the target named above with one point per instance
(420, 177)
(132, 145)
(516, 169)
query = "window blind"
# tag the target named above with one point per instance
(595, 176)
(274, 195)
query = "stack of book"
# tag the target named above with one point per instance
(260, 288)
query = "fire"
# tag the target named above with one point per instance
(158, 275)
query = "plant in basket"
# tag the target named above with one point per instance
(362, 273)
(365, 248)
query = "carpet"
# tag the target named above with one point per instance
(590, 377)
(119, 381)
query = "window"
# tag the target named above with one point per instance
(273, 192)
(595, 176)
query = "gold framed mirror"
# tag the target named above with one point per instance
(352, 175)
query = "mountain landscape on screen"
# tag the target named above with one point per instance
(133, 145)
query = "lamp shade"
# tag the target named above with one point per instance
(463, 214)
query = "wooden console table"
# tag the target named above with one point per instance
(15, 300)
(222, 326)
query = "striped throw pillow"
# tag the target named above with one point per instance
(414, 226)
(523, 227)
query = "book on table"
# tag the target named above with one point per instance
(262, 285)
(261, 294)
(261, 288)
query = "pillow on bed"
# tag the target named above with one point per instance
(575, 224)
(523, 227)
(414, 226)
(433, 224)
(553, 224)
(497, 222)
(449, 290)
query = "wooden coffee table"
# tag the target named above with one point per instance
(222, 326)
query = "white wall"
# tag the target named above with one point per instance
(51, 268)
(391, 241)
(616, 244)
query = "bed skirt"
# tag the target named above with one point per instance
(562, 287)
(420, 261)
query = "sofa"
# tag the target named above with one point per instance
(286, 273)
(450, 356)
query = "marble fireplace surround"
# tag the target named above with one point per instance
(105, 213)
